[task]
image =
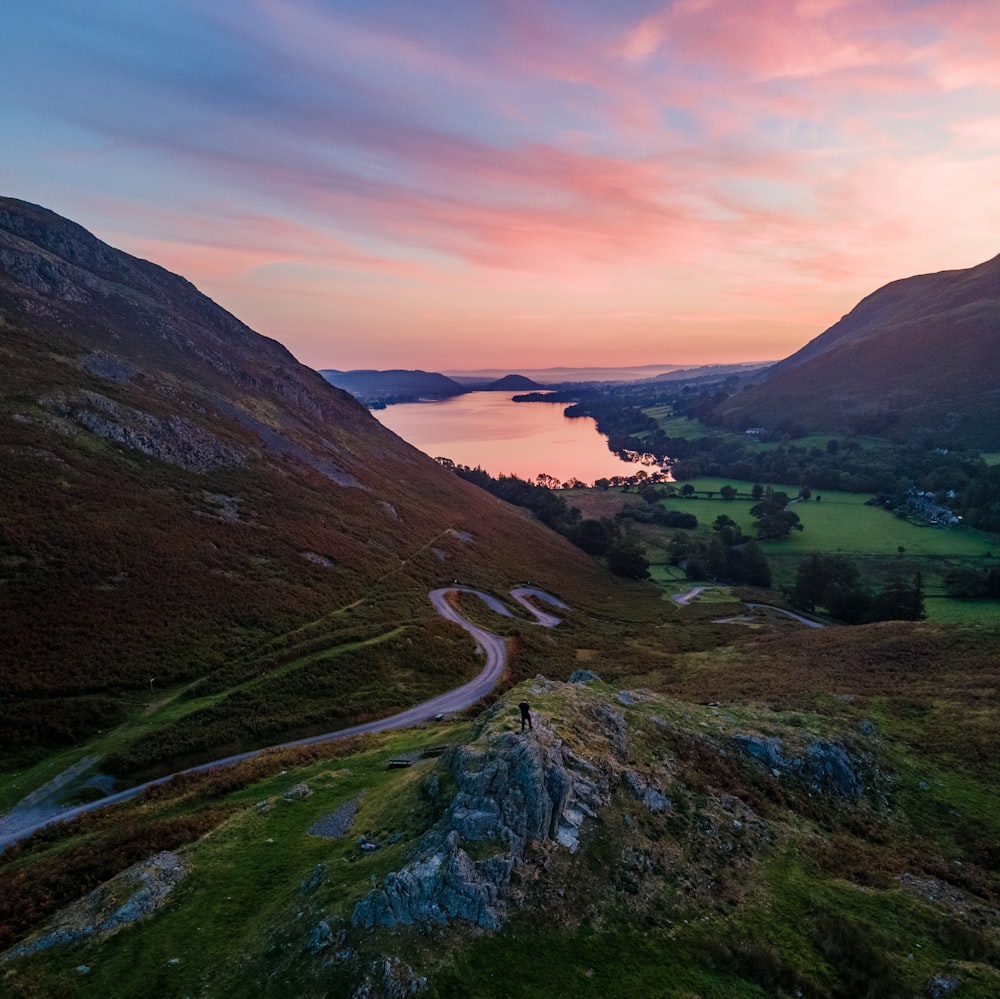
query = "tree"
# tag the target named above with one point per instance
(751, 565)
(695, 569)
(626, 558)
(650, 493)
(715, 559)
(899, 601)
(728, 530)
(687, 489)
(811, 580)
(772, 520)
(758, 491)
(679, 546)
(832, 581)
(595, 537)
(728, 492)
(965, 584)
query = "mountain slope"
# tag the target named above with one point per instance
(183, 501)
(922, 354)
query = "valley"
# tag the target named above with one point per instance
(215, 573)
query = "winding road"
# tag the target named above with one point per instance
(22, 822)
(683, 599)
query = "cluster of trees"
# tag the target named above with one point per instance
(772, 518)
(835, 582)
(968, 584)
(604, 537)
(978, 499)
(934, 464)
(728, 556)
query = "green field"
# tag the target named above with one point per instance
(684, 426)
(839, 521)
(842, 523)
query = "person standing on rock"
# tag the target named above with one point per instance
(525, 715)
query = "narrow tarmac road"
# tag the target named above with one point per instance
(15, 826)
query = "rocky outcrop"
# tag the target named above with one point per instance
(512, 791)
(395, 979)
(174, 439)
(823, 765)
(136, 892)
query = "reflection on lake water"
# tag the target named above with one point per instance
(508, 438)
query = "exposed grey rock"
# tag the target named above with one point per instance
(511, 791)
(583, 676)
(866, 727)
(397, 981)
(825, 766)
(224, 508)
(650, 795)
(101, 913)
(614, 726)
(321, 560)
(432, 787)
(173, 439)
(630, 697)
(941, 985)
(297, 791)
(766, 750)
(831, 769)
(314, 881)
(113, 369)
(320, 938)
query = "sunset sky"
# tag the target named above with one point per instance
(452, 184)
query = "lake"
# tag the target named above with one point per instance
(508, 438)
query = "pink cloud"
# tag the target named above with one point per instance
(718, 165)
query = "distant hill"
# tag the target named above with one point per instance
(511, 383)
(920, 355)
(183, 502)
(715, 371)
(383, 388)
(555, 375)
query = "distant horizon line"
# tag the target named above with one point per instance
(495, 372)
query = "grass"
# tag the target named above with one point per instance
(814, 905)
(683, 426)
(838, 523)
(246, 875)
(966, 612)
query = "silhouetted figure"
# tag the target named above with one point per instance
(525, 715)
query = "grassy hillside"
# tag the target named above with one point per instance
(920, 354)
(183, 503)
(206, 548)
(750, 882)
